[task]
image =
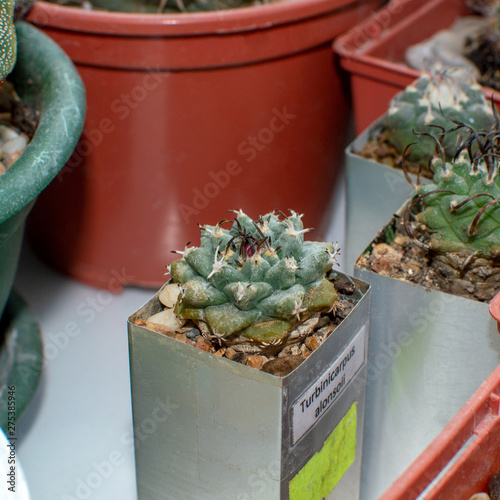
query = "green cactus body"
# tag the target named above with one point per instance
(8, 46)
(464, 214)
(171, 6)
(434, 100)
(257, 279)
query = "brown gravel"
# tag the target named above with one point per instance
(382, 151)
(456, 273)
(275, 359)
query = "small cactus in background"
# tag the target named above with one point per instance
(165, 6)
(8, 46)
(460, 209)
(206, 5)
(431, 105)
(257, 280)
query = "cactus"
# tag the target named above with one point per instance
(8, 46)
(428, 106)
(167, 6)
(460, 209)
(205, 5)
(258, 279)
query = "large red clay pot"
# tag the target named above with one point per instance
(190, 115)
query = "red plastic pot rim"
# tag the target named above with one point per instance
(495, 308)
(219, 22)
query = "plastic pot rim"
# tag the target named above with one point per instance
(495, 309)
(219, 22)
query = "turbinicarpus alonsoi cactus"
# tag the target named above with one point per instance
(430, 106)
(8, 46)
(460, 210)
(258, 279)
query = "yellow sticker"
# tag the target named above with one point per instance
(320, 475)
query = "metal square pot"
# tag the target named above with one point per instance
(207, 427)
(374, 192)
(428, 353)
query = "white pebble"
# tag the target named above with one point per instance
(18, 143)
(168, 319)
(169, 293)
(7, 133)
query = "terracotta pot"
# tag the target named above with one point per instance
(43, 75)
(188, 115)
(373, 52)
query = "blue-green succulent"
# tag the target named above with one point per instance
(257, 279)
(460, 209)
(430, 106)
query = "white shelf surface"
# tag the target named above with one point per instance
(76, 436)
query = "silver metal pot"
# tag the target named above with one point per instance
(428, 353)
(374, 192)
(207, 427)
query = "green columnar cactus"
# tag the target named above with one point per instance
(257, 280)
(426, 106)
(461, 207)
(8, 47)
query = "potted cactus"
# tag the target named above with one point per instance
(253, 290)
(202, 105)
(412, 125)
(433, 269)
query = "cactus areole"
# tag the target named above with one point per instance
(8, 47)
(257, 279)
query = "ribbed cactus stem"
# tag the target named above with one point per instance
(432, 105)
(460, 210)
(8, 46)
(258, 279)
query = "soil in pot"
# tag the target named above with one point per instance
(18, 122)
(380, 149)
(394, 254)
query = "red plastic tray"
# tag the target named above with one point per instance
(463, 458)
